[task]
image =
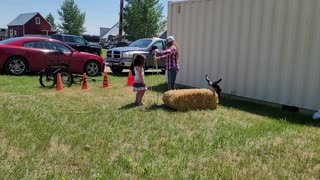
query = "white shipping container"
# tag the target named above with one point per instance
(266, 50)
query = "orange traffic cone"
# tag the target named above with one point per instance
(105, 80)
(130, 78)
(59, 83)
(84, 81)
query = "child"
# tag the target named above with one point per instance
(139, 85)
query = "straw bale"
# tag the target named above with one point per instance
(187, 99)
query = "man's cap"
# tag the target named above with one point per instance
(170, 39)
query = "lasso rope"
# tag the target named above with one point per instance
(155, 66)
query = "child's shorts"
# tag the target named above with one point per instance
(139, 87)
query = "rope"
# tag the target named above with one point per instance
(155, 66)
(156, 62)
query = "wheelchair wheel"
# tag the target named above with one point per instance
(47, 79)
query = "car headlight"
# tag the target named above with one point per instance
(127, 55)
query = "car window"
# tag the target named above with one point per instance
(159, 45)
(59, 37)
(58, 46)
(121, 44)
(69, 39)
(35, 44)
(142, 43)
(79, 40)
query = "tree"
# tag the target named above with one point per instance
(142, 18)
(50, 20)
(72, 19)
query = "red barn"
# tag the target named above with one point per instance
(29, 24)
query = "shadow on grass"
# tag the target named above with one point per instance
(161, 88)
(269, 111)
(148, 108)
(258, 108)
(128, 106)
(162, 107)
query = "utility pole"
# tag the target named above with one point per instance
(120, 20)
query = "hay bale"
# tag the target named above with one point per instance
(187, 99)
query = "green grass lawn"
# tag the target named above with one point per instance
(98, 134)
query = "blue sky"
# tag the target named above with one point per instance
(99, 13)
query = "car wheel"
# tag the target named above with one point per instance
(92, 68)
(16, 66)
(116, 70)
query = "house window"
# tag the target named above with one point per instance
(37, 20)
(15, 33)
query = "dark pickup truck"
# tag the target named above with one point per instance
(78, 43)
(122, 57)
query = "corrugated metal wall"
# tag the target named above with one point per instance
(262, 49)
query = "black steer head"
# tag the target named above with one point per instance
(214, 85)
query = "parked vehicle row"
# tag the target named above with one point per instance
(78, 43)
(32, 54)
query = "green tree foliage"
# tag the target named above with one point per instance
(50, 20)
(142, 18)
(72, 19)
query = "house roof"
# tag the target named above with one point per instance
(103, 31)
(114, 31)
(163, 34)
(22, 19)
